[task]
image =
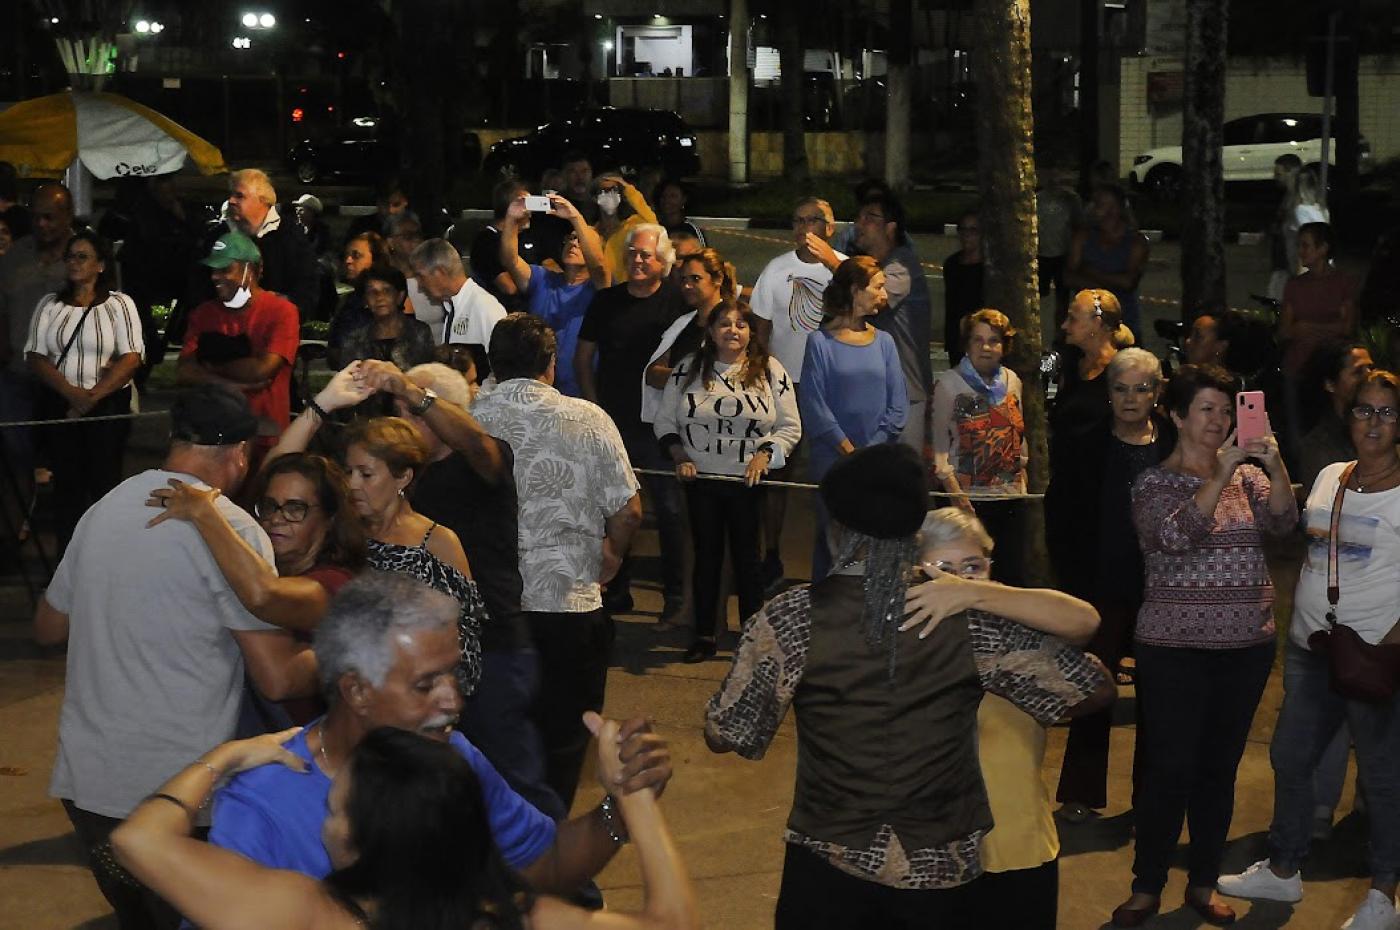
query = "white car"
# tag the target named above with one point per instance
(1252, 143)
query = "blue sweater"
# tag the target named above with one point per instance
(850, 392)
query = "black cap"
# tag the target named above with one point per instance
(880, 491)
(212, 415)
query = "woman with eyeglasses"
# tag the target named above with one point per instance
(1138, 438)
(1205, 633)
(84, 347)
(1020, 884)
(1368, 589)
(979, 433)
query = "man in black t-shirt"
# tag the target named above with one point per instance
(621, 330)
(468, 486)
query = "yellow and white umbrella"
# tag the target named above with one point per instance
(112, 136)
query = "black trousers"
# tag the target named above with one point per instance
(1197, 705)
(1005, 522)
(575, 650)
(816, 895)
(723, 511)
(1084, 774)
(1022, 899)
(137, 907)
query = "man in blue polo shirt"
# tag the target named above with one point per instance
(386, 652)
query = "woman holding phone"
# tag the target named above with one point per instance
(1205, 632)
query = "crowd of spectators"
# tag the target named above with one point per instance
(379, 617)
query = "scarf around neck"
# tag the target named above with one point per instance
(995, 392)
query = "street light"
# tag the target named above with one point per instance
(242, 42)
(142, 26)
(157, 27)
(250, 20)
(267, 20)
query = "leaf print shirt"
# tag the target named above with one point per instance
(571, 474)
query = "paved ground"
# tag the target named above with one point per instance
(727, 813)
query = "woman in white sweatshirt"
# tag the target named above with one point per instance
(730, 410)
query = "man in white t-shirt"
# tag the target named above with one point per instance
(157, 641)
(470, 312)
(787, 299)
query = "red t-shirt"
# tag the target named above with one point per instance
(273, 326)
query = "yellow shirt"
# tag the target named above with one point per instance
(615, 248)
(1011, 745)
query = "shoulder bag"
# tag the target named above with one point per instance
(1359, 670)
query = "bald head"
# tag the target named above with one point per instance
(51, 214)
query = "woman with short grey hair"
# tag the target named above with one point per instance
(1137, 438)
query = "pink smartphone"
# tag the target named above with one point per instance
(1251, 419)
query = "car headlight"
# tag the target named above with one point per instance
(1142, 159)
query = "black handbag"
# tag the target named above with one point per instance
(1359, 670)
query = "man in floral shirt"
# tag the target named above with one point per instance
(578, 509)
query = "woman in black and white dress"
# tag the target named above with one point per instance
(84, 346)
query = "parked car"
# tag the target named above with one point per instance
(614, 138)
(1251, 143)
(366, 149)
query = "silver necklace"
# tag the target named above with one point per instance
(325, 759)
(1372, 481)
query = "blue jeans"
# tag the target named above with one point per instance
(1310, 718)
(499, 720)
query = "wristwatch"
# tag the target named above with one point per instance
(429, 398)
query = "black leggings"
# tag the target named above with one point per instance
(720, 511)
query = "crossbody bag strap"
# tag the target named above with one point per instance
(1334, 591)
(73, 337)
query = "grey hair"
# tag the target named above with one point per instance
(258, 180)
(436, 255)
(449, 383)
(664, 249)
(1134, 359)
(355, 635)
(951, 525)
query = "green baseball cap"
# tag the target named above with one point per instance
(232, 246)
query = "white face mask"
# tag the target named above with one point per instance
(241, 296)
(609, 200)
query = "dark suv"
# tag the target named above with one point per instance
(613, 138)
(366, 148)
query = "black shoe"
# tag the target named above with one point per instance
(699, 651)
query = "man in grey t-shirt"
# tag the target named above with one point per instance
(157, 641)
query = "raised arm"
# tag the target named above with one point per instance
(668, 898)
(212, 887)
(343, 390)
(515, 266)
(457, 428)
(293, 602)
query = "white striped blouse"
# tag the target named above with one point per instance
(112, 329)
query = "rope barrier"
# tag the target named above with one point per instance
(805, 486)
(78, 421)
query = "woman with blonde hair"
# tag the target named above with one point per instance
(1079, 417)
(979, 441)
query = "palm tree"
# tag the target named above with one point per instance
(1006, 178)
(1203, 180)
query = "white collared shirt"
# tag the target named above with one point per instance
(472, 315)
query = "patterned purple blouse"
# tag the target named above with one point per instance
(1207, 584)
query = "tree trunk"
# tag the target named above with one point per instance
(739, 91)
(1345, 182)
(1088, 92)
(897, 102)
(1203, 180)
(424, 70)
(791, 56)
(1006, 178)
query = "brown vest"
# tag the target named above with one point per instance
(872, 750)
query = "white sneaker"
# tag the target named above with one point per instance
(1377, 912)
(1259, 883)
